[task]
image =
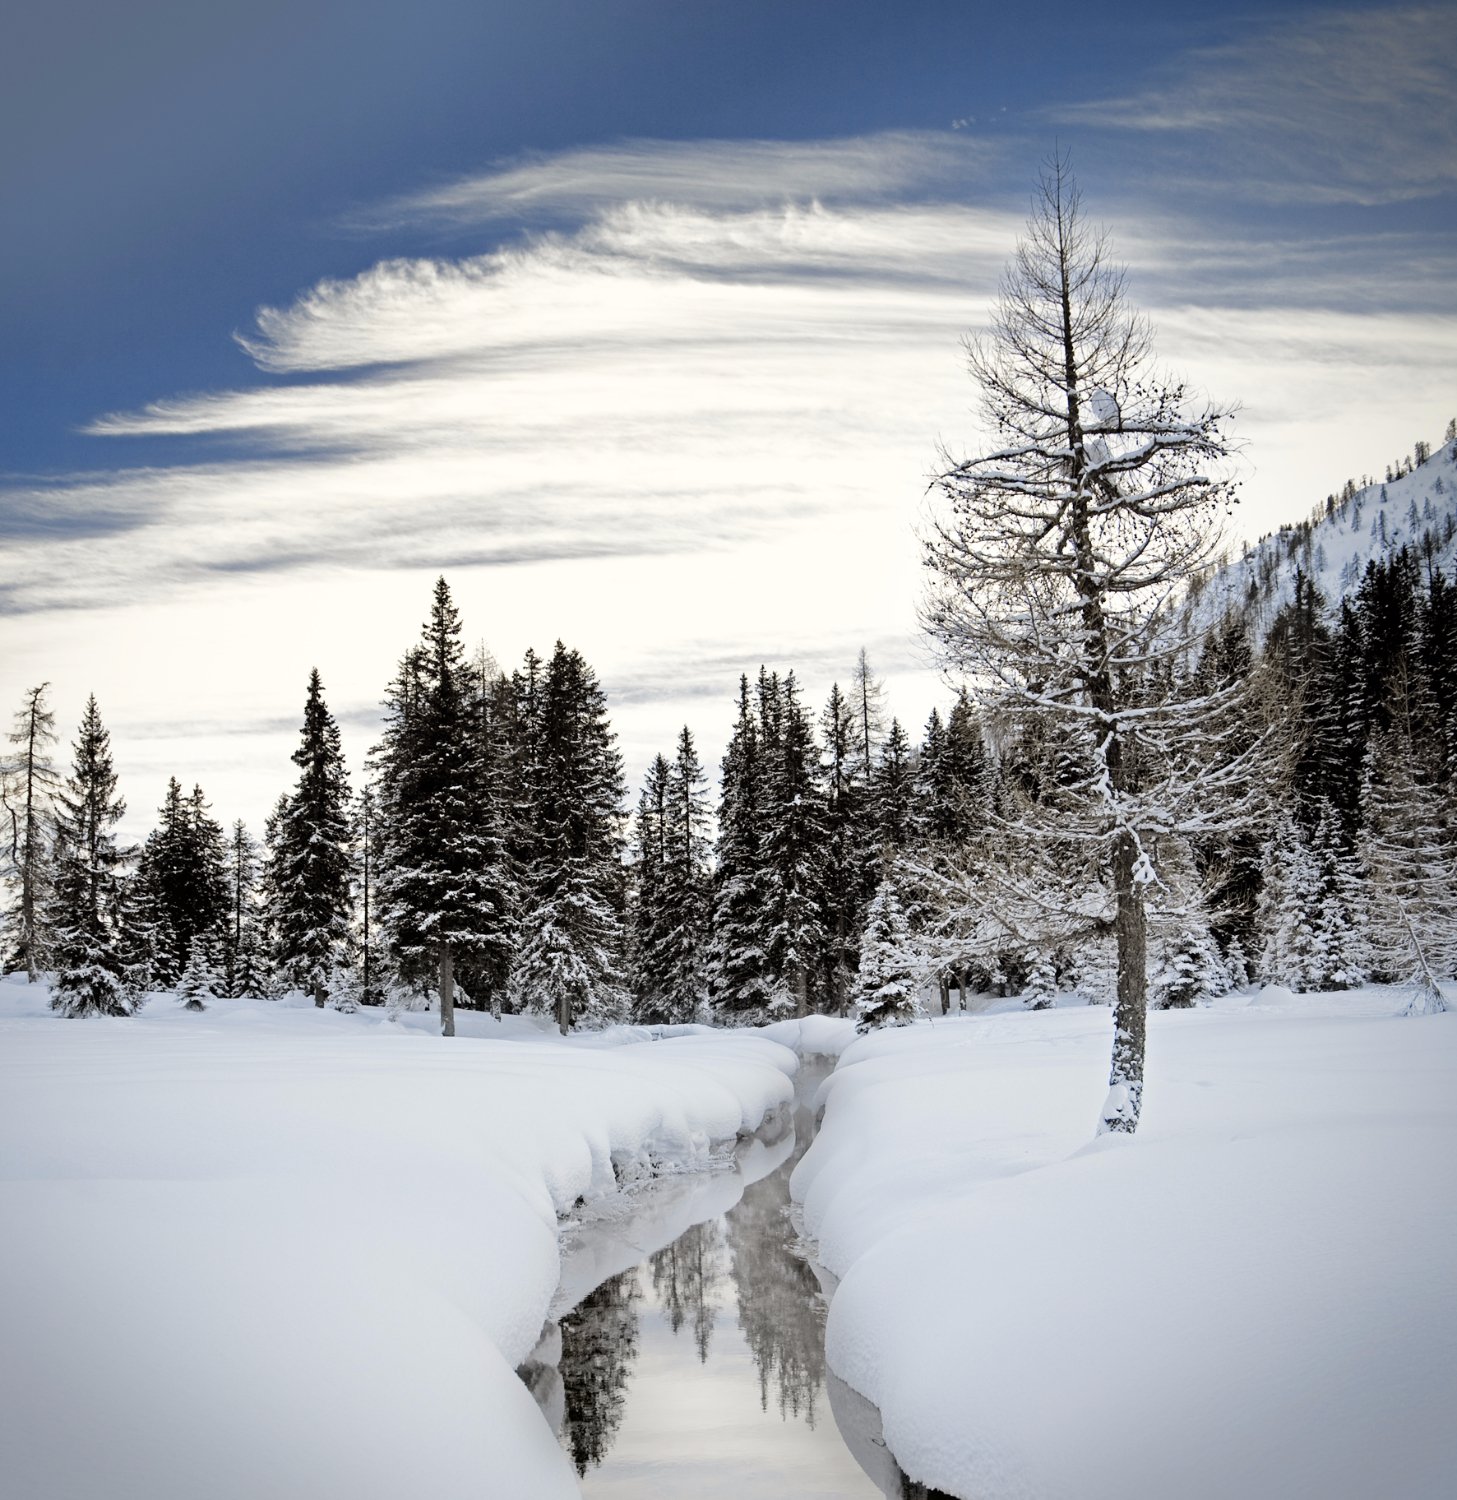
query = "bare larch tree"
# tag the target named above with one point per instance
(1058, 560)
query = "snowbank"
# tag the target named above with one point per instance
(1249, 1297)
(812, 1036)
(274, 1251)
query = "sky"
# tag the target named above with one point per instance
(642, 321)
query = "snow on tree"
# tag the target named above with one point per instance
(794, 811)
(1287, 917)
(893, 804)
(200, 979)
(740, 982)
(1040, 986)
(1407, 846)
(570, 960)
(90, 967)
(885, 983)
(314, 852)
(28, 785)
(1059, 562)
(183, 867)
(445, 886)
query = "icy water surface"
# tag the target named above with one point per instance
(685, 1357)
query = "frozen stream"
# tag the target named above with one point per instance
(685, 1354)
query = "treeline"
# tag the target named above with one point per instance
(486, 858)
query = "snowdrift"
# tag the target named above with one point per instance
(1249, 1297)
(274, 1251)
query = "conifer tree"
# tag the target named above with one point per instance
(570, 959)
(91, 977)
(648, 916)
(894, 799)
(686, 880)
(28, 785)
(314, 854)
(368, 844)
(848, 849)
(885, 990)
(240, 957)
(793, 841)
(444, 887)
(740, 980)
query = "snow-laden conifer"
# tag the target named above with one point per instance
(885, 991)
(28, 785)
(91, 976)
(314, 854)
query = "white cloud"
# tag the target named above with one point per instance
(1327, 107)
(720, 175)
(685, 437)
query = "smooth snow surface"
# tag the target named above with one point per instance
(273, 1251)
(1250, 1297)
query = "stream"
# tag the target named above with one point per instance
(684, 1354)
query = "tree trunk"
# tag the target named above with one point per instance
(564, 1012)
(320, 995)
(1130, 1015)
(801, 991)
(944, 985)
(961, 1004)
(447, 991)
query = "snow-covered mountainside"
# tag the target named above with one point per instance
(1415, 508)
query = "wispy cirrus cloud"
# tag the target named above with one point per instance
(720, 175)
(1341, 106)
(687, 427)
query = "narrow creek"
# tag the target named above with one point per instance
(685, 1351)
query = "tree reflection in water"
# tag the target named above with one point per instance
(685, 1277)
(781, 1311)
(599, 1345)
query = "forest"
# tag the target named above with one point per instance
(486, 854)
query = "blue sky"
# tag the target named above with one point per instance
(624, 311)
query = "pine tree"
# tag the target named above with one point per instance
(368, 844)
(894, 798)
(885, 989)
(794, 841)
(1056, 565)
(1040, 986)
(91, 975)
(570, 960)
(848, 850)
(740, 981)
(28, 785)
(184, 869)
(444, 881)
(239, 936)
(1288, 915)
(687, 874)
(647, 937)
(314, 851)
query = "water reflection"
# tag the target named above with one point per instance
(685, 1277)
(781, 1311)
(598, 1347)
(652, 1391)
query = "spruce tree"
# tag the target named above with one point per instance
(314, 852)
(794, 842)
(570, 960)
(91, 972)
(893, 800)
(740, 983)
(445, 888)
(28, 785)
(885, 990)
(686, 881)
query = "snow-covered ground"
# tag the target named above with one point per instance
(1252, 1296)
(273, 1251)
